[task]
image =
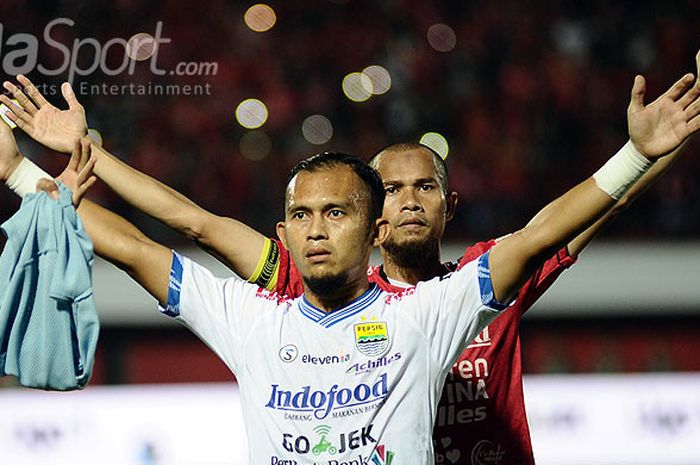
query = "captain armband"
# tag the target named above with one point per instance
(267, 269)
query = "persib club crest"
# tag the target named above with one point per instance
(372, 338)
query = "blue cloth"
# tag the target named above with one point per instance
(48, 320)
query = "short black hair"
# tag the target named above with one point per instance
(369, 176)
(438, 161)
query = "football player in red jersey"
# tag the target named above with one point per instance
(481, 416)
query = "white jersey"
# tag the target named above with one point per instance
(357, 386)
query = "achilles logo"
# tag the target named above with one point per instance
(369, 365)
(482, 340)
(487, 453)
(323, 403)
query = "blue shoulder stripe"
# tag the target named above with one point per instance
(174, 287)
(485, 284)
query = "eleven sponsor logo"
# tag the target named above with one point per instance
(372, 338)
(290, 353)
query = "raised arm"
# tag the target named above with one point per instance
(576, 246)
(234, 243)
(655, 130)
(114, 238)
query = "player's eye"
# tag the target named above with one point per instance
(426, 187)
(298, 215)
(390, 189)
(336, 213)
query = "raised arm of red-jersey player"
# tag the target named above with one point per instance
(579, 243)
(655, 130)
(662, 165)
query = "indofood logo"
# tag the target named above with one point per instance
(322, 404)
(372, 338)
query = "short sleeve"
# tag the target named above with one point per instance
(219, 311)
(538, 283)
(452, 310)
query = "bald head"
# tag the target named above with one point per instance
(409, 148)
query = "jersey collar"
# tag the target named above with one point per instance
(351, 308)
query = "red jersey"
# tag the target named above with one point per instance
(481, 417)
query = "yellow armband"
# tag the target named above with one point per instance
(265, 274)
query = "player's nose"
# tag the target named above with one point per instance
(317, 228)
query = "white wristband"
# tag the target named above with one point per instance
(619, 173)
(23, 180)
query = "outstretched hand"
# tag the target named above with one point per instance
(54, 128)
(660, 127)
(77, 176)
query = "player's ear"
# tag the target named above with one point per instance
(451, 205)
(282, 233)
(380, 232)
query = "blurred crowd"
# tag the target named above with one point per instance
(531, 98)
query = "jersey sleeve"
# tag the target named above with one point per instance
(452, 310)
(540, 280)
(276, 271)
(543, 278)
(219, 311)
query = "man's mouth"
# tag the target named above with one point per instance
(317, 254)
(412, 223)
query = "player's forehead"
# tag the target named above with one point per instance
(407, 166)
(336, 185)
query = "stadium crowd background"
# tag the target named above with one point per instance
(531, 97)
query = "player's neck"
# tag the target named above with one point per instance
(338, 297)
(429, 268)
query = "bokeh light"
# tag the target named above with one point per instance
(255, 145)
(95, 135)
(260, 17)
(442, 37)
(141, 46)
(437, 142)
(251, 113)
(380, 78)
(357, 87)
(317, 129)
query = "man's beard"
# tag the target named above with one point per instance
(411, 253)
(328, 285)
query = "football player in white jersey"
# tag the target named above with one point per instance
(655, 130)
(481, 409)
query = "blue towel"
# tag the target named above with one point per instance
(48, 320)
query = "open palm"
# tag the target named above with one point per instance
(54, 128)
(660, 127)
